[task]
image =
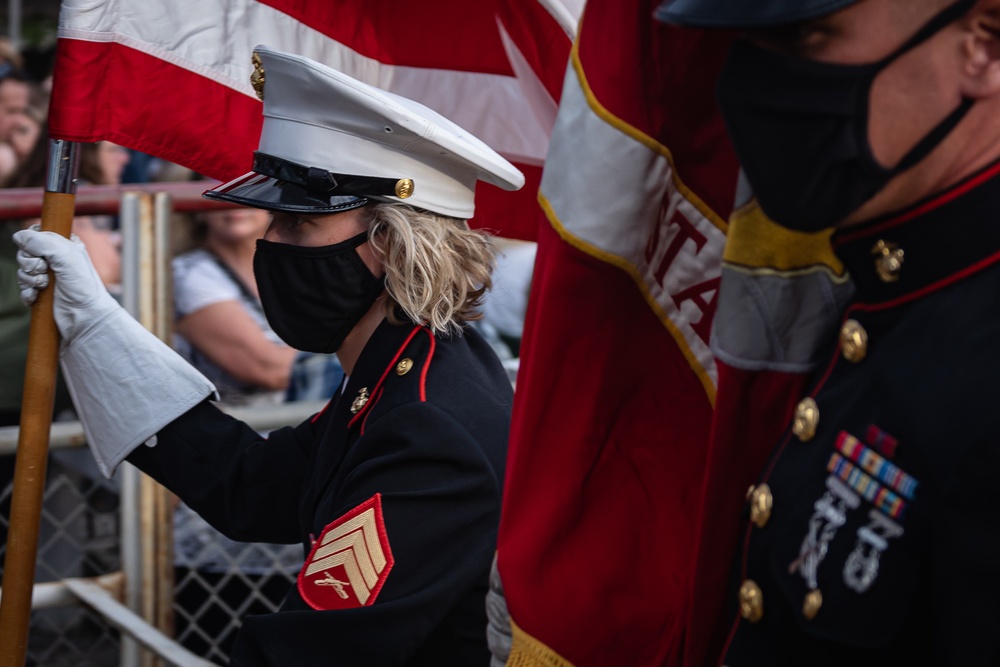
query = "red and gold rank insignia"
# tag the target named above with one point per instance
(349, 562)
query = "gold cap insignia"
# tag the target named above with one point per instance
(404, 188)
(359, 401)
(257, 78)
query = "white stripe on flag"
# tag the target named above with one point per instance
(618, 196)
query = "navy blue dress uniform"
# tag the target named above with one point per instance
(394, 489)
(871, 535)
(417, 439)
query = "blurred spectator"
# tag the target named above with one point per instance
(27, 127)
(507, 303)
(10, 55)
(13, 97)
(13, 103)
(220, 324)
(103, 163)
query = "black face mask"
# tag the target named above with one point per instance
(313, 297)
(800, 129)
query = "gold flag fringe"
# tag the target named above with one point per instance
(526, 651)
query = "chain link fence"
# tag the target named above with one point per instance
(218, 581)
(78, 537)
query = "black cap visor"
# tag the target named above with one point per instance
(262, 191)
(745, 13)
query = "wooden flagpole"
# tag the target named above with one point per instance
(36, 421)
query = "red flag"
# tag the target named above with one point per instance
(616, 389)
(171, 78)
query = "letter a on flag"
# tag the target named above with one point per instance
(615, 394)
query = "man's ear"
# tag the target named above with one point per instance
(981, 51)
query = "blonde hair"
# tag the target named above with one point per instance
(437, 269)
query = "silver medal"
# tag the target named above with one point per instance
(830, 513)
(861, 567)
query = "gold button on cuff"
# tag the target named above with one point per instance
(888, 261)
(806, 419)
(761, 502)
(812, 603)
(751, 601)
(404, 366)
(853, 341)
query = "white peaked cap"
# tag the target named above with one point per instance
(331, 143)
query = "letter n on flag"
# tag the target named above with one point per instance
(617, 382)
(171, 77)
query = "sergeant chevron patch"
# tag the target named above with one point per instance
(349, 562)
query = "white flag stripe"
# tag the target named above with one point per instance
(192, 34)
(637, 191)
(532, 88)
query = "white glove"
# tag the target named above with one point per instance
(81, 299)
(126, 383)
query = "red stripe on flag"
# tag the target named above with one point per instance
(104, 90)
(441, 34)
(512, 215)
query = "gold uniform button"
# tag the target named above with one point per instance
(761, 502)
(404, 188)
(812, 603)
(853, 341)
(404, 366)
(751, 601)
(888, 261)
(806, 419)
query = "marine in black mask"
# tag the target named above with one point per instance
(868, 534)
(800, 126)
(821, 128)
(393, 490)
